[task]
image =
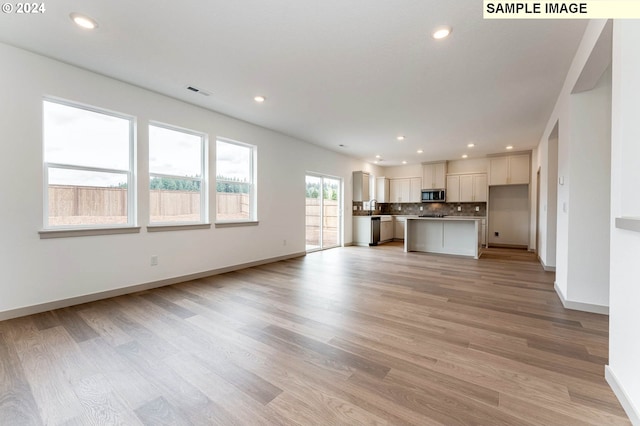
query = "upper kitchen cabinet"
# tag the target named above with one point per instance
(415, 190)
(382, 190)
(434, 175)
(361, 189)
(509, 170)
(453, 189)
(405, 190)
(467, 188)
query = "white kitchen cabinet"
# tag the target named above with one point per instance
(382, 190)
(519, 169)
(509, 170)
(453, 189)
(434, 175)
(361, 191)
(386, 230)
(405, 190)
(415, 188)
(361, 230)
(480, 188)
(467, 188)
(398, 228)
(400, 190)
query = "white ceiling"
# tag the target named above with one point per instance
(351, 72)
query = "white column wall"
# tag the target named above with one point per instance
(623, 372)
(572, 208)
(589, 211)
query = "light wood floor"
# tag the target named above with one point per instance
(347, 336)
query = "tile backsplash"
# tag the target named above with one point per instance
(449, 209)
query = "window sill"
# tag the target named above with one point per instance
(236, 224)
(628, 223)
(86, 232)
(176, 227)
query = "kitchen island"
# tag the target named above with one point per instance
(446, 235)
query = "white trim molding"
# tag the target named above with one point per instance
(580, 306)
(628, 406)
(628, 223)
(545, 267)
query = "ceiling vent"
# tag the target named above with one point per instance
(198, 91)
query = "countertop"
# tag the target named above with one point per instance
(448, 218)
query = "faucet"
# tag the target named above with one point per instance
(372, 205)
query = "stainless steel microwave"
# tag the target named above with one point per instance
(433, 196)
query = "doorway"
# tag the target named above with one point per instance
(323, 205)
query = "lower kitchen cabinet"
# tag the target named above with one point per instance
(398, 232)
(386, 230)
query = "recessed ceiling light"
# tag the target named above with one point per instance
(404, 162)
(259, 99)
(510, 147)
(465, 156)
(420, 151)
(84, 21)
(471, 145)
(378, 156)
(375, 162)
(441, 32)
(400, 138)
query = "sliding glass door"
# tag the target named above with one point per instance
(323, 212)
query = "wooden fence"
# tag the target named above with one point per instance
(109, 205)
(330, 222)
(72, 205)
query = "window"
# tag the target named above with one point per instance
(235, 182)
(176, 170)
(88, 164)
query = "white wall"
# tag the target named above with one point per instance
(581, 143)
(623, 371)
(35, 271)
(552, 201)
(509, 214)
(589, 213)
(546, 159)
(577, 213)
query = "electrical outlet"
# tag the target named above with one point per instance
(399, 208)
(421, 208)
(355, 208)
(477, 208)
(496, 234)
(154, 260)
(459, 208)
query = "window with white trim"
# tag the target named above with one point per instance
(88, 167)
(235, 181)
(176, 170)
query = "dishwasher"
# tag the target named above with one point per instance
(375, 231)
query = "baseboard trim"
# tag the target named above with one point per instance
(545, 267)
(63, 303)
(579, 306)
(509, 246)
(625, 401)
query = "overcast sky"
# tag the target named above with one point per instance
(84, 138)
